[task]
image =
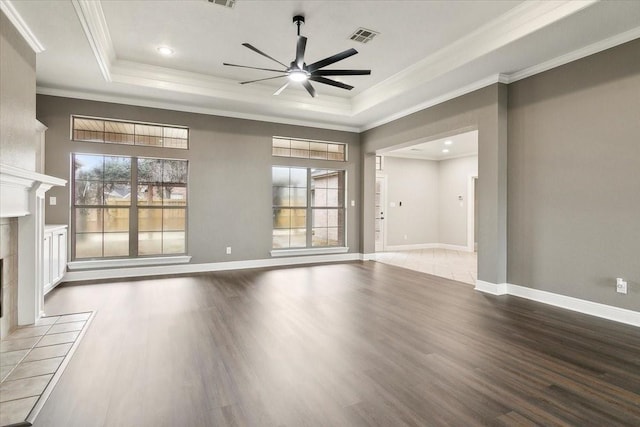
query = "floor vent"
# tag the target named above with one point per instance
(363, 35)
(226, 3)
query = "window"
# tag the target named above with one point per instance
(128, 206)
(90, 129)
(379, 163)
(306, 149)
(308, 199)
(162, 201)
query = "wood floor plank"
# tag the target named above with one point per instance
(350, 344)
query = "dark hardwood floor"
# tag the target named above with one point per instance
(353, 344)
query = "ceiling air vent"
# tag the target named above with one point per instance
(363, 35)
(227, 3)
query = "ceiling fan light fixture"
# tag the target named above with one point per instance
(165, 50)
(298, 76)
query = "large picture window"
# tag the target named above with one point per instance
(128, 206)
(308, 207)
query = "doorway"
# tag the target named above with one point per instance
(425, 206)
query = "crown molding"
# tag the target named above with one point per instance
(592, 49)
(22, 27)
(203, 85)
(174, 106)
(498, 78)
(518, 22)
(94, 25)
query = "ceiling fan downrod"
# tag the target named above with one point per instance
(298, 20)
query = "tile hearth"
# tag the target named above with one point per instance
(32, 359)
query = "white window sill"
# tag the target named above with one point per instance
(308, 251)
(127, 262)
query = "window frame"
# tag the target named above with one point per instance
(309, 151)
(309, 207)
(133, 228)
(134, 135)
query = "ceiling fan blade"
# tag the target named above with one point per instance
(342, 72)
(309, 88)
(254, 68)
(283, 87)
(332, 59)
(300, 48)
(330, 82)
(256, 50)
(259, 80)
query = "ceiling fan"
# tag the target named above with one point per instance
(299, 71)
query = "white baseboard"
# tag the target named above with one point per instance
(75, 276)
(426, 246)
(491, 288)
(591, 308)
(368, 257)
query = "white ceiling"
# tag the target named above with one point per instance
(427, 51)
(460, 145)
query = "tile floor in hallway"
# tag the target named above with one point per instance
(31, 359)
(457, 265)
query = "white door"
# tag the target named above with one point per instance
(381, 185)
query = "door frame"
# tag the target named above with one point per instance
(471, 183)
(383, 203)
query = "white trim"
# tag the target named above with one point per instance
(16, 184)
(120, 99)
(460, 248)
(94, 25)
(308, 251)
(76, 276)
(472, 87)
(382, 246)
(471, 200)
(417, 246)
(21, 26)
(591, 308)
(594, 48)
(368, 257)
(491, 288)
(127, 262)
(604, 311)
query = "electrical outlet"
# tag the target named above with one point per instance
(406, 237)
(228, 250)
(621, 286)
(52, 201)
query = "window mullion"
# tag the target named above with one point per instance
(133, 210)
(309, 211)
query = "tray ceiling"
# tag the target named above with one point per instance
(426, 51)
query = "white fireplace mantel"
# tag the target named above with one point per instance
(22, 195)
(15, 186)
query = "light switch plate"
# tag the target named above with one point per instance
(52, 201)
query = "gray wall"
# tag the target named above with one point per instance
(229, 172)
(428, 190)
(483, 110)
(452, 213)
(18, 98)
(574, 178)
(415, 184)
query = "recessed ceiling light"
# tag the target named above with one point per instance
(448, 142)
(445, 150)
(165, 51)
